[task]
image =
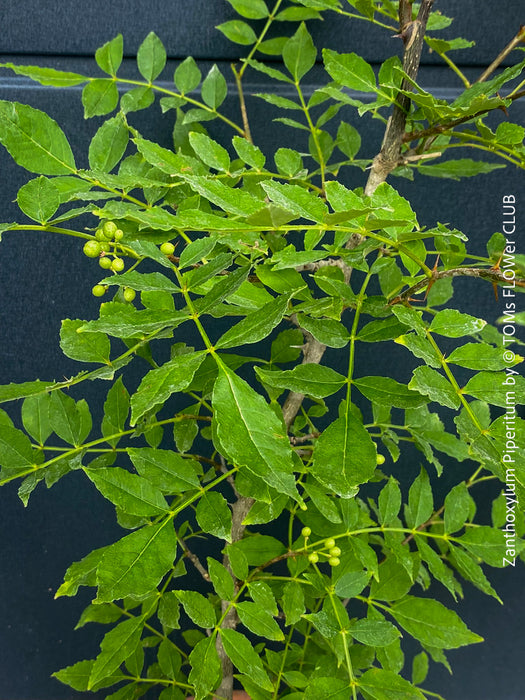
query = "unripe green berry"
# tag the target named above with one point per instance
(104, 262)
(117, 265)
(98, 290)
(334, 561)
(104, 245)
(313, 558)
(329, 543)
(92, 249)
(306, 532)
(380, 459)
(335, 552)
(109, 229)
(99, 234)
(167, 248)
(119, 234)
(129, 294)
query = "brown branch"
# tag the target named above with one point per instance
(242, 104)
(412, 33)
(520, 36)
(194, 560)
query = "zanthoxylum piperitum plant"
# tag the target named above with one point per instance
(319, 548)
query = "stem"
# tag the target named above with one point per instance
(513, 43)
(260, 38)
(242, 103)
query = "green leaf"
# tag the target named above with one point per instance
(85, 347)
(432, 623)
(296, 199)
(238, 31)
(287, 346)
(430, 383)
(293, 602)
(487, 543)
(420, 347)
(456, 169)
(494, 386)
(471, 571)
(209, 151)
(324, 504)
(243, 656)
(348, 140)
(214, 515)
(198, 608)
(256, 326)
(375, 633)
(250, 154)
(35, 417)
(70, 421)
(109, 144)
(151, 57)
(250, 433)
(344, 456)
(351, 584)
(81, 573)
(457, 508)
(419, 668)
(299, 53)
(100, 96)
(109, 56)
(116, 647)
(135, 565)
(455, 324)
(214, 88)
(16, 453)
(159, 384)
(326, 330)
(34, 140)
(388, 392)
(231, 200)
(39, 199)
(389, 502)
(131, 493)
(328, 689)
(261, 594)
(187, 76)
(259, 621)
(205, 667)
(169, 659)
(481, 356)
(387, 685)
(47, 76)
(142, 282)
(222, 579)
(167, 470)
(309, 379)
(169, 610)
(394, 581)
(420, 500)
(251, 9)
(76, 676)
(116, 410)
(350, 70)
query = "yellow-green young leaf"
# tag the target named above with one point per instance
(109, 144)
(296, 199)
(388, 392)
(251, 9)
(35, 417)
(293, 602)
(244, 657)
(326, 330)
(214, 88)
(430, 383)
(151, 57)
(332, 688)
(34, 140)
(420, 500)
(135, 565)
(131, 493)
(348, 140)
(374, 633)
(299, 53)
(455, 324)
(420, 347)
(167, 470)
(76, 676)
(481, 356)
(238, 31)
(221, 579)
(344, 456)
(115, 648)
(419, 668)
(487, 543)
(109, 56)
(85, 347)
(159, 384)
(250, 433)
(198, 608)
(100, 96)
(389, 502)
(386, 685)
(259, 621)
(394, 582)
(457, 508)
(351, 584)
(209, 151)
(250, 154)
(214, 515)
(309, 379)
(432, 623)
(205, 667)
(39, 199)
(494, 386)
(350, 70)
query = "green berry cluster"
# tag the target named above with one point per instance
(333, 552)
(104, 246)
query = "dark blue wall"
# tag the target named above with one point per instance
(44, 279)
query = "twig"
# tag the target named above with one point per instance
(520, 36)
(313, 352)
(303, 438)
(242, 103)
(194, 560)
